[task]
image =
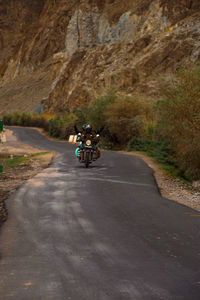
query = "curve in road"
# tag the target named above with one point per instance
(103, 233)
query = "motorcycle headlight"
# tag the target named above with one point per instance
(88, 143)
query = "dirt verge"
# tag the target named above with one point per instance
(11, 178)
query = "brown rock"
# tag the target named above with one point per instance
(62, 53)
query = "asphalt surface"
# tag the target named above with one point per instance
(103, 233)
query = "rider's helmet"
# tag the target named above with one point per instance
(84, 126)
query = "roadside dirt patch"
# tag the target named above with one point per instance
(13, 146)
(13, 177)
(172, 188)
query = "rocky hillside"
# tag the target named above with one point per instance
(59, 53)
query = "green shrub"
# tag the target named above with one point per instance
(16, 118)
(126, 118)
(7, 119)
(25, 119)
(81, 114)
(179, 118)
(139, 144)
(53, 127)
(66, 126)
(57, 126)
(62, 126)
(158, 149)
(98, 108)
(12, 119)
(121, 116)
(150, 129)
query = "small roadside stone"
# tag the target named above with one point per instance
(196, 184)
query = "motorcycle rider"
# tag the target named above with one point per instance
(82, 135)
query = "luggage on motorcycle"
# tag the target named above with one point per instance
(73, 139)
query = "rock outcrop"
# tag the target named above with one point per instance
(60, 53)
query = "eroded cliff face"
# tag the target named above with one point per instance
(61, 53)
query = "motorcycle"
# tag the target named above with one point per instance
(87, 152)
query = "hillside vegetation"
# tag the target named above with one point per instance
(167, 128)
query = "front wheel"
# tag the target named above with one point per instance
(87, 160)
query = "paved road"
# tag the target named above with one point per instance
(102, 233)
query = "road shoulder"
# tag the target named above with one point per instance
(172, 188)
(33, 162)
